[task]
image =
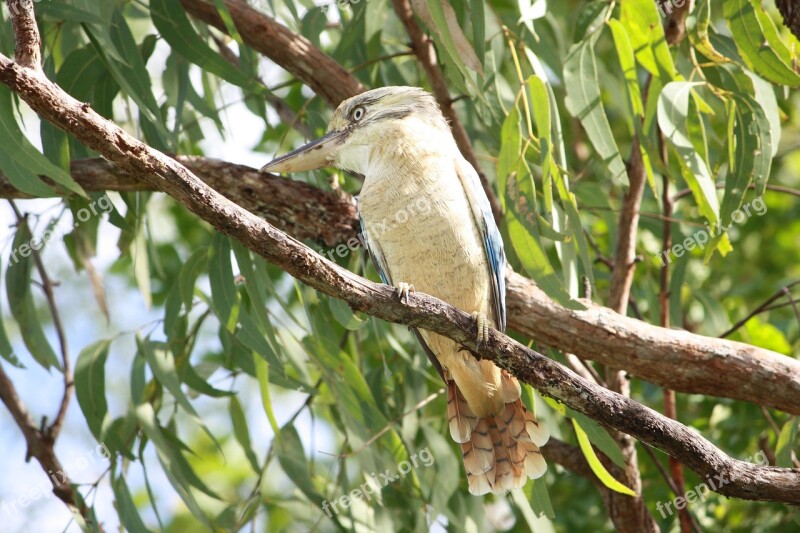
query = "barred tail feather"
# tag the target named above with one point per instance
(500, 452)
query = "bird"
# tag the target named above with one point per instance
(398, 139)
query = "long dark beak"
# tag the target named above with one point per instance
(314, 155)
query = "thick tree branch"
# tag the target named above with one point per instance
(741, 479)
(291, 51)
(425, 52)
(669, 358)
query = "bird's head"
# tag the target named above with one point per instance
(364, 126)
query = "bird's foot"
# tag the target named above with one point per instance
(482, 325)
(402, 290)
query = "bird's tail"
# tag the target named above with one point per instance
(502, 451)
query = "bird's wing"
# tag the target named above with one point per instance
(492, 241)
(374, 251)
(379, 261)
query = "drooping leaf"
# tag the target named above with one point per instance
(20, 299)
(673, 111)
(126, 508)
(585, 103)
(594, 463)
(90, 385)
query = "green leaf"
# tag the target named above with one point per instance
(534, 523)
(21, 162)
(117, 48)
(344, 315)
(759, 43)
(536, 264)
(241, 431)
(63, 10)
(585, 103)
(126, 508)
(595, 464)
(6, 349)
(518, 199)
(162, 363)
(179, 473)
(90, 385)
(540, 499)
(787, 439)
(698, 23)
(141, 266)
(293, 460)
(644, 27)
(445, 25)
(220, 276)
(262, 375)
(627, 63)
(20, 299)
(673, 110)
(509, 156)
(590, 19)
(174, 26)
(599, 437)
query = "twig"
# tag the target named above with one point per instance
(423, 48)
(783, 291)
(683, 193)
(674, 488)
(47, 286)
(285, 113)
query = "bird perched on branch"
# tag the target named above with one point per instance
(397, 138)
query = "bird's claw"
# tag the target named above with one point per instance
(482, 325)
(402, 290)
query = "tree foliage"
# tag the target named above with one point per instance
(241, 398)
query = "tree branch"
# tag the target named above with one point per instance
(670, 358)
(740, 479)
(425, 52)
(26, 34)
(291, 51)
(40, 445)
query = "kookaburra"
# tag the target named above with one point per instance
(397, 138)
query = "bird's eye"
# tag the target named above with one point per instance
(358, 113)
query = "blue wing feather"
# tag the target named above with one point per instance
(492, 241)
